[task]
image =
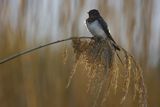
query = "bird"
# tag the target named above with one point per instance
(99, 28)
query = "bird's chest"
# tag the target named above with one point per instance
(96, 29)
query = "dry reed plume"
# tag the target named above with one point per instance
(105, 72)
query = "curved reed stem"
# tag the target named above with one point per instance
(39, 47)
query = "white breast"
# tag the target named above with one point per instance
(96, 29)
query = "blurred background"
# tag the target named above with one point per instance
(39, 79)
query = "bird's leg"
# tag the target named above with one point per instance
(93, 38)
(96, 39)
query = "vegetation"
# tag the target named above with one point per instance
(105, 72)
(93, 78)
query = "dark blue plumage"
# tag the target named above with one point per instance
(98, 27)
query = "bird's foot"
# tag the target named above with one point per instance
(96, 39)
(93, 38)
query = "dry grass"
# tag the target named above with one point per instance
(39, 79)
(104, 71)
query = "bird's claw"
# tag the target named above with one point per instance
(93, 38)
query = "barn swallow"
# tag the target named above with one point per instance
(99, 28)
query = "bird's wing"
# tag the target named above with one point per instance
(105, 28)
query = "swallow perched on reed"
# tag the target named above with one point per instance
(98, 27)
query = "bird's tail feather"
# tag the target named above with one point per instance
(116, 47)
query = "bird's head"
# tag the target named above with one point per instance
(93, 13)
